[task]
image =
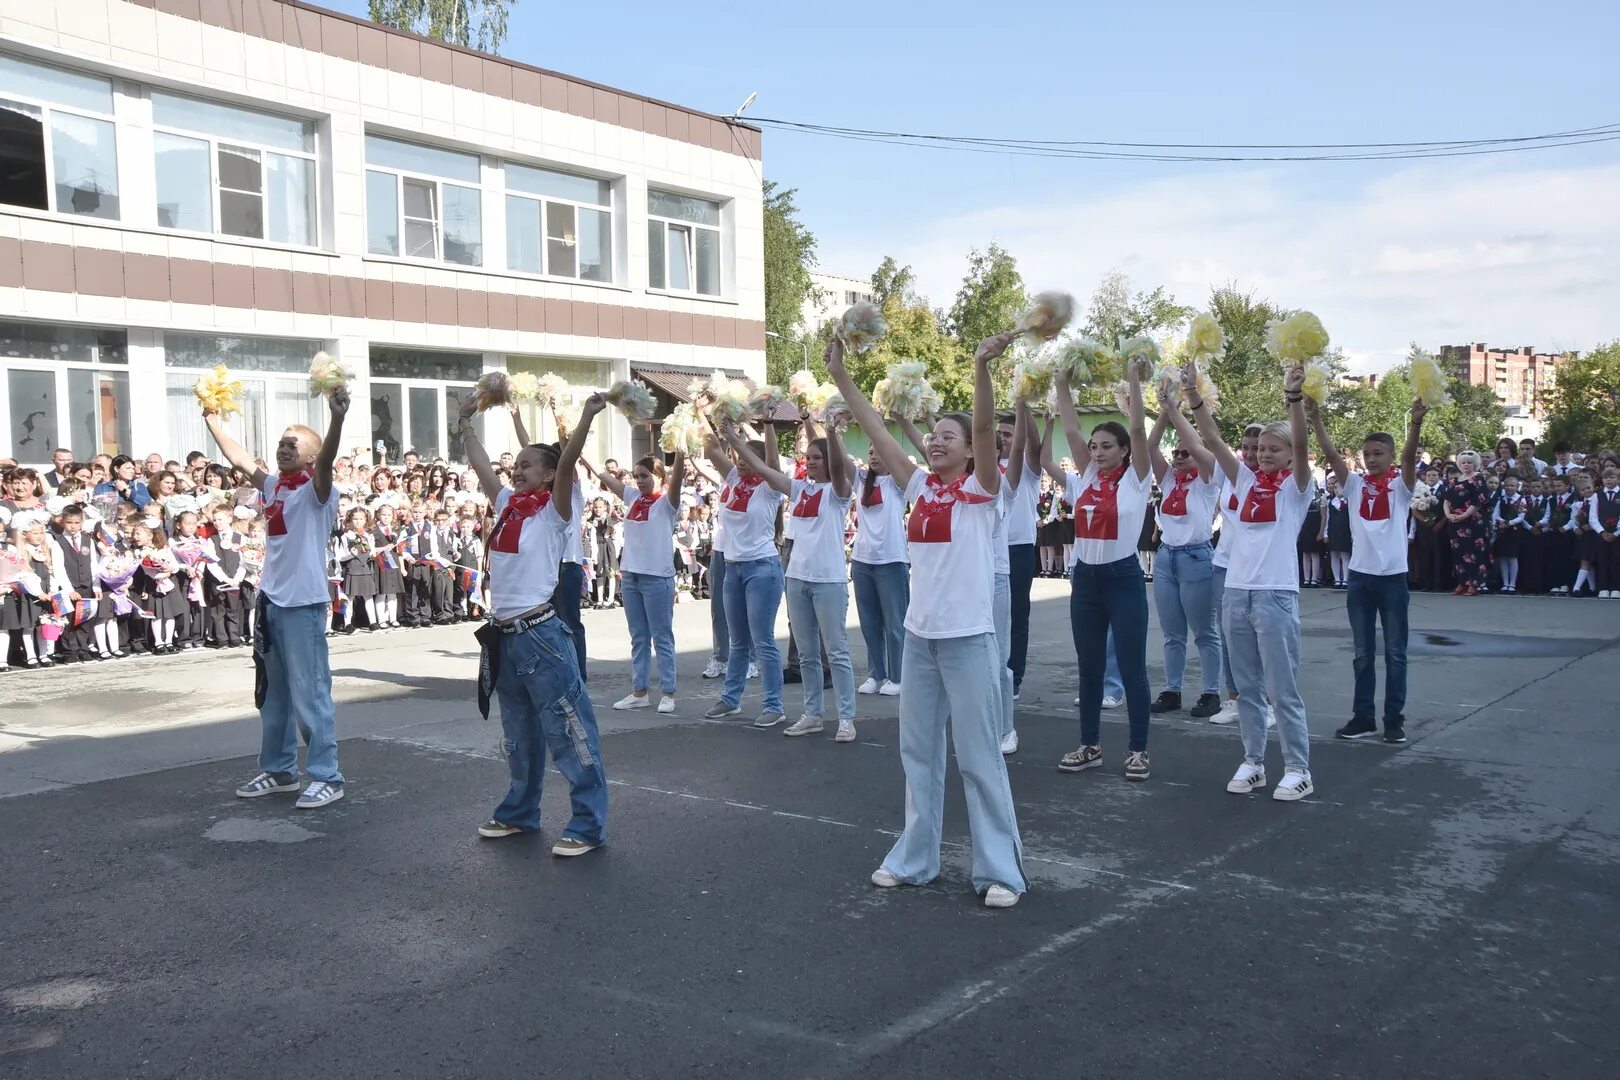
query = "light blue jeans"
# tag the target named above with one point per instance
(717, 608)
(817, 610)
(649, 608)
(544, 706)
(1183, 590)
(1217, 599)
(882, 595)
(753, 595)
(298, 692)
(1262, 638)
(1002, 613)
(945, 679)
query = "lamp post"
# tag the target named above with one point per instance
(804, 345)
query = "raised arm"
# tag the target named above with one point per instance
(1138, 426)
(1033, 441)
(986, 461)
(476, 455)
(338, 405)
(1206, 424)
(1049, 464)
(1294, 398)
(884, 445)
(914, 435)
(837, 463)
(1191, 443)
(607, 480)
(1324, 441)
(677, 477)
(713, 448)
(1161, 467)
(1078, 450)
(233, 451)
(562, 488)
(522, 431)
(773, 453)
(1016, 452)
(1409, 449)
(766, 466)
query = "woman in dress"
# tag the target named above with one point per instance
(1466, 506)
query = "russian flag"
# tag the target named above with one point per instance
(385, 559)
(470, 579)
(83, 611)
(60, 604)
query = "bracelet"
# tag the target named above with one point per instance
(1295, 400)
(1198, 406)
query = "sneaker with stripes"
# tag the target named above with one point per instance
(318, 794)
(268, 784)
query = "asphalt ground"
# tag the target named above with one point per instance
(1446, 908)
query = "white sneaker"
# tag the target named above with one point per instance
(666, 704)
(804, 725)
(1271, 716)
(715, 670)
(632, 701)
(889, 688)
(1294, 786)
(846, 731)
(1009, 742)
(319, 794)
(753, 671)
(1228, 713)
(1249, 777)
(870, 686)
(885, 880)
(999, 896)
(1108, 702)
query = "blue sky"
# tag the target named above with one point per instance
(1513, 249)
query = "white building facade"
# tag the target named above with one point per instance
(830, 296)
(192, 182)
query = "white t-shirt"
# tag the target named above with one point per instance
(1378, 518)
(524, 554)
(649, 535)
(951, 534)
(1187, 512)
(1002, 559)
(1108, 513)
(818, 538)
(297, 528)
(717, 532)
(880, 529)
(1021, 505)
(1265, 531)
(1226, 503)
(574, 549)
(749, 513)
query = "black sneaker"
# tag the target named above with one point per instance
(1358, 728)
(1394, 732)
(1208, 705)
(1169, 701)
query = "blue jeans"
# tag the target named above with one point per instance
(1111, 596)
(565, 601)
(944, 679)
(719, 629)
(882, 595)
(1183, 583)
(544, 706)
(649, 608)
(1003, 677)
(753, 593)
(298, 693)
(1023, 562)
(1217, 599)
(1262, 638)
(1375, 597)
(1113, 685)
(818, 610)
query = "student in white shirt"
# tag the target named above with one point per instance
(950, 638)
(1261, 613)
(1226, 502)
(647, 586)
(1380, 502)
(1110, 495)
(294, 676)
(882, 575)
(1184, 571)
(528, 660)
(1022, 468)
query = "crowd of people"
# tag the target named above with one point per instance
(939, 548)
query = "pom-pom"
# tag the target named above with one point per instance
(1316, 383)
(1032, 379)
(1075, 357)
(1167, 384)
(549, 390)
(1205, 339)
(1122, 396)
(681, 431)
(493, 390)
(905, 392)
(217, 392)
(1047, 316)
(800, 386)
(861, 327)
(730, 399)
(763, 403)
(525, 385)
(815, 402)
(1140, 353)
(1208, 391)
(1429, 382)
(327, 376)
(631, 397)
(834, 411)
(1296, 339)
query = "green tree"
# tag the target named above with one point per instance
(1117, 312)
(1250, 378)
(990, 301)
(1472, 420)
(916, 332)
(790, 252)
(476, 24)
(1583, 406)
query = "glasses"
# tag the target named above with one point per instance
(947, 437)
(1181, 453)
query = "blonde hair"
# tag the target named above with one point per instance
(1472, 455)
(1279, 429)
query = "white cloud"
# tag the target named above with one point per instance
(1438, 255)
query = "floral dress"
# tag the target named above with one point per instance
(1470, 540)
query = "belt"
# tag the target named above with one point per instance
(544, 613)
(1185, 547)
(489, 653)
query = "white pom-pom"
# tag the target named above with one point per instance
(681, 432)
(1047, 316)
(633, 399)
(327, 376)
(861, 327)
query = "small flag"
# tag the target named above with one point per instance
(83, 611)
(60, 604)
(470, 579)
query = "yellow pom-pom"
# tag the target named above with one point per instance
(327, 376)
(1429, 382)
(1205, 338)
(1048, 315)
(217, 392)
(1296, 339)
(1316, 383)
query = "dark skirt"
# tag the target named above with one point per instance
(1339, 538)
(1308, 530)
(172, 604)
(1509, 541)
(18, 611)
(360, 578)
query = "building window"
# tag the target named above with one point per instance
(683, 243)
(233, 171)
(416, 397)
(558, 224)
(423, 202)
(64, 386)
(584, 377)
(58, 146)
(274, 373)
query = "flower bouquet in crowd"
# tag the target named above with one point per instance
(253, 554)
(632, 398)
(1424, 501)
(861, 327)
(361, 547)
(905, 393)
(115, 575)
(763, 403)
(1048, 314)
(327, 376)
(217, 392)
(682, 431)
(160, 563)
(1429, 382)
(492, 391)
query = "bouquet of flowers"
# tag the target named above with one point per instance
(360, 545)
(115, 575)
(633, 399)
(861, 327)
(12, 568)
(682, 432)
(327, 376)
(1048, 314)
(1424, 500)
(253, 554)
(217, 392)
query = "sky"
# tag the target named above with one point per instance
(1512, 249)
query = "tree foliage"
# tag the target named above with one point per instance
(1584, 404)
(1117, 312)
(790, 252)
(476, 24)
(990, 301)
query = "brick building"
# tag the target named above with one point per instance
(1519, 376)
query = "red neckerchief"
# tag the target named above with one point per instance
(1375, 495)
(801, 469)
(290, 482)
(519, 508)
(1096, 511)
(275, 524)
(1175, 503)
(930, 520)
(643, 504)
(742, 493)
(872, 495)
(1260, 505)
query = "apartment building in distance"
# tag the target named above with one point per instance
(188, 182)
(830, 296)
(1520, 376)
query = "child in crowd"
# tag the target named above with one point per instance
(356, 554)
(222, 584)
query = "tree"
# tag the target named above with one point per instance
(916, 332)
(790, 252)
(990, 301)
(1250, 378)
(476, 24)
(1472, 420)
(1116, 312)
(1583, 406)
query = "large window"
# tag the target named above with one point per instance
(416, 398)
(423, 202)
(274, 373)
(683, 243)
(234, 171)
(558, 224)
(585, 377)
(63, 386)
(58, 147)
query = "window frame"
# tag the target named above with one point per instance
(543, 203)
(666, 224)
(62, 369)
(438, 182)
(46, 108)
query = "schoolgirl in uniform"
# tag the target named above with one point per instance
(1336, 535)
(1311, 546)
(165, 596)
(22, 610)
(1509, 520)
(1605, 513)
(222, 583)
(385, 537)
(191, 551)
(357, 563)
